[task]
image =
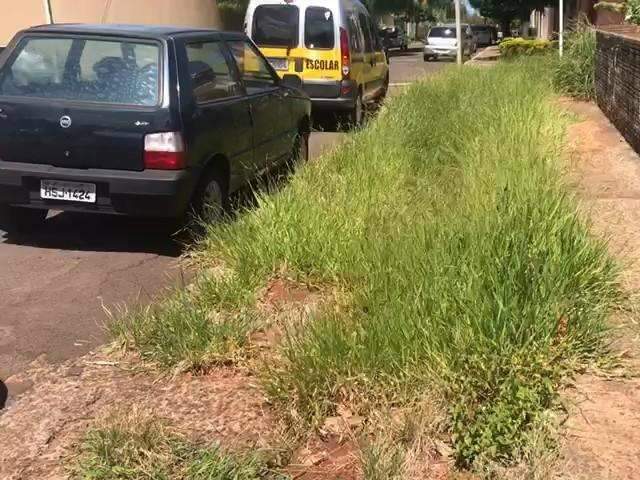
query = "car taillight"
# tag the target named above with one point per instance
(345, 54)
(164, 151)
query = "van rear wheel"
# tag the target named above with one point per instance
(356, 115)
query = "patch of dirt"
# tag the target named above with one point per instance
(40, 430)
(286, 304)
(602, 439)
(333, 458)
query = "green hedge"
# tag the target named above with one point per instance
(513, 47)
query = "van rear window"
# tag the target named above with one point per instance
(319, 29)
(276, 26)
(80, 69)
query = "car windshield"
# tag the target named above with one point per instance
(444, 32)
(276, 25)
(80, 69)
(480, 28)
(319, 30)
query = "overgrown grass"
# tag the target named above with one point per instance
(575, 71)
(469, 270)
(138, 446)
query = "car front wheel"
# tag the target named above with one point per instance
(300, 152)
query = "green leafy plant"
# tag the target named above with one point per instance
(574, 72)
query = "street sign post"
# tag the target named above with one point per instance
(459, 31)
(46, 4)
(561, 33)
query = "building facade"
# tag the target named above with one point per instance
(26, 13)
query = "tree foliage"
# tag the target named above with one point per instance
(505, 11)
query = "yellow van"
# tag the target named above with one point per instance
(331, 45)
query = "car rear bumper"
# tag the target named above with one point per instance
(338, 95)
(441, 51)
(149, 193)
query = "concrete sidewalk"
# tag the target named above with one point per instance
(485, 56)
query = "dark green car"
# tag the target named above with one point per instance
(139, 120)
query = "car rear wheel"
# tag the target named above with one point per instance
(21, 219)
(211, 200)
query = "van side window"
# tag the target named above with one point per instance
(366, 31)
(319, 30)
(354, 35)
(254, 70)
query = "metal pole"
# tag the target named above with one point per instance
(46, 5)
(459, 31)
(561, 39)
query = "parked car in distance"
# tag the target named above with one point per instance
(143, 121)
(485, 34)
(393, 37)
(331, 46)
(441, 42)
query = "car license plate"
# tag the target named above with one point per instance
(68, 191)
(279, 63)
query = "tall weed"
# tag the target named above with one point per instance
(575, 71)
(469, 271)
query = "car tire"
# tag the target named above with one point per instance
(300, 153)
(385, 91)
(21, 219)
(211, 200)
(428, 58)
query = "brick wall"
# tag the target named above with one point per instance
(618, 79)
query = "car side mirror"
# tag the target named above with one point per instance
(291, 81)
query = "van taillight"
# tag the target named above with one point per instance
(345, 53)
(164, 151)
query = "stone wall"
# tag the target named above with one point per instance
(618, 79)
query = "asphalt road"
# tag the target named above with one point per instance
(55, 285)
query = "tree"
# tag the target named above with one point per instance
(506, 11)
(392, 6)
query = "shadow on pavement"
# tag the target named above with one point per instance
(404, 53)
(4, 394)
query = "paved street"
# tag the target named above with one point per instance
(53, 285)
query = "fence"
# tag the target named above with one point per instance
(618, 79)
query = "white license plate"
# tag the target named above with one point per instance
(68, 191)
(279, 63)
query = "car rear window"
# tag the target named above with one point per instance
(443, 32)
(319, 29)
(80, 69)
(276, 25)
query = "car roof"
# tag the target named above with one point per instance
(144, 31)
